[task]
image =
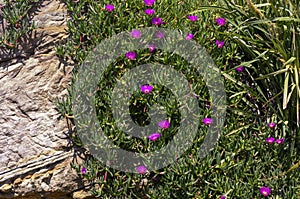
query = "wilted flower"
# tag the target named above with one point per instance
(207, 104)
(83, 170)
(265, 191)
(149, 11)
(280, 141)
(164, 124)
(154, 136)
(146, 88)
(10, 44)
(159, 35)
(151, 48)
(270, 140)
(240, 69)
(155, 179)
(141, 169)
(105, 176)
(149, 2)
(272, 125)
(192, 18)
(221, 21)
(219, 44)
(189, 36)
(207, 121)
(136, 34)
(109, 7)
(130, 55)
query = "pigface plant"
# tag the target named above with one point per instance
(140, 77)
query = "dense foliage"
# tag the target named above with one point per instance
(256, 47)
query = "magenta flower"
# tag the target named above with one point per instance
(265, 191)
(149, 11)
(272, 125)
(141, 169)
(223, 197)
(83, 170)
(136, 34)
(270, 140)
(192, 18)
(280, 141)
(219, 44)
(130, 55)
(151, 48)
(189, 36)
(220, 21)
(207, 121)
(149, 2)
(154, 136)
(159, 35)
(157, 21)
(146, 88)
(109, 7)
(164, 124)
(240, 69)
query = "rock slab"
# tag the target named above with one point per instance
(35, 154)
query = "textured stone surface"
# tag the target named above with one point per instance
(34, 152)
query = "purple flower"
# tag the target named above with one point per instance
(189, 36)
(240, 69)
(159, 35)
(192, 18)
(83, 170)
(272, 125)
(131, 55)
(157, 21)
(223, 197)
(136, 34)
(219, 44)
(270, 140)
(220, 21)
(154, 136)
(149, 11)
(146, 88)
(151, 48)
(141, 169)
(280, 141)
(164, 124)
(109, 7)
(265, 191)
(149, 2)
(207, 121)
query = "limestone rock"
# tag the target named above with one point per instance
(81, 194)
(35, 154)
